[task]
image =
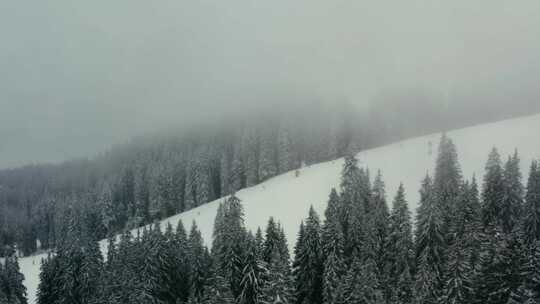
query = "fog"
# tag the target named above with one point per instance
(78, 76)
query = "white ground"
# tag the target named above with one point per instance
(287, 197)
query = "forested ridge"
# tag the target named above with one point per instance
(467, 246)
(155, 176)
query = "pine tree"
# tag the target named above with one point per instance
(381, 226)
(332, 232)
(308, 268)
(251, 285)
(350, 179)
(493, 190)
(285, 150)
(12, 281)
(399, 251)
(361, 284)
(447, 180)
(430, 245)
(278, 283)
(229, 242)
(267, 157)
(512, 201)
(529, 290)
(91, 271)
(250, 153)
(531, 221)
(271, 240)
(499, 269)
(199, 268)
(48, 281)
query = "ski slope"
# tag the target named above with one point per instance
(288, 197)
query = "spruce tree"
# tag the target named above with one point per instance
(531, 221)
(309, 265)
(278, 283)
(529, 290)
(399, 252)
(230, 242)
(253, 273)
(510, 216)
(198, 264)
(499, 271)
(493, 190)
(447, 180)
(430, 244)
(381, 226)
(12, 281)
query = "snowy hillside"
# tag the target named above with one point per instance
(288, 197)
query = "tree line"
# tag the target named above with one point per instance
(466, 247)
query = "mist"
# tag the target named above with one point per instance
(77, 77)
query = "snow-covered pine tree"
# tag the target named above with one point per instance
(271, 240)
(48, 280)
(350, 179)
(360, 283)
(91, 271)
(268, 166)
(493, 190)
(332, 231)
(531, 221)
(512, 202)
(253, 274)
(225, 170)
(447, 180)
(499, 271)
(529, 290)
(430, 245)
(218, 290)
(250, 151)
(381, 225)
(181, 251)
(309, 265)
(278, 286)
(285, 153)
(237, 179)
(198, 263)
(399, 252)
(230, 242)
(11, 281)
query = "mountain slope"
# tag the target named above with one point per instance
(287, 197)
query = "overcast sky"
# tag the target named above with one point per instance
(77, 76)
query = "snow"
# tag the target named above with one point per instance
(288, 197)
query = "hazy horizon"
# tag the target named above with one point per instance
(77, 77)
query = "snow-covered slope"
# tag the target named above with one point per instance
(288, 198)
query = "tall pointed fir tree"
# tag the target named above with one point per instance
(199, 264)
(447, 180)
(459, 269)
(499, 272)
(493, 190)
(430, 244)
(48, 280)
(278, 284)
(529, 290)
(229, 242)
(333, 250)
(11, 281)
(268, 166)
(285, 153)
(253, 274)
(512, 202)
(381, 225)
(531, 221)
(250, 151)
(399, 252)
(308, 268)
(350, 178)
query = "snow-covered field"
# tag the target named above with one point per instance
(288, 198)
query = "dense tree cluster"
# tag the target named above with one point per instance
(154, 177)
(12, 290)
(467, 247)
